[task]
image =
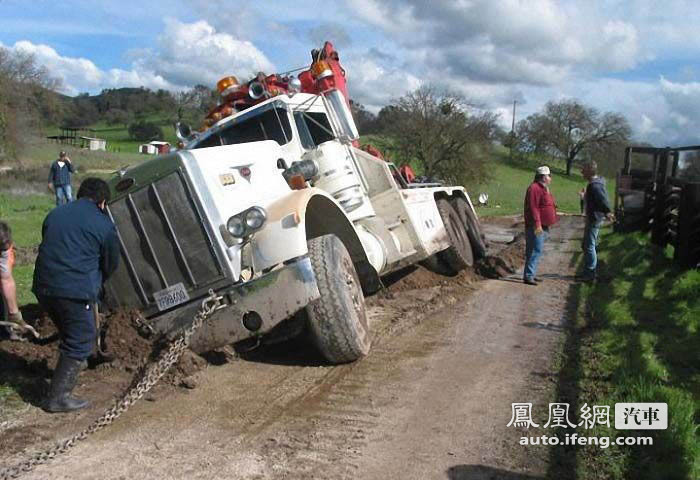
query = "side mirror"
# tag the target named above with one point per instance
(183, 131)
(340, 115)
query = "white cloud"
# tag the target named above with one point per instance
(647, 128)
(75, 74)
(661, 112)
(370, 82)
(80, 74)
(191, 53)
(536, 42)
(186, 54)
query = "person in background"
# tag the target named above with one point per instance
(540, 214)
(597, 208)
(60, 179)
(79, 250)
(7, 281)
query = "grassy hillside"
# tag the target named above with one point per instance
(509, 180)
(117, 136)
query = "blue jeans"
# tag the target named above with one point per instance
(75, 322)
(63, 194)
(534, 245)
(590, 257)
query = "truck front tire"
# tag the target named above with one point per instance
(459, 256)
(337, 321)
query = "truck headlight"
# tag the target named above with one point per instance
(236, 226)
(246, 222)
(254, 218)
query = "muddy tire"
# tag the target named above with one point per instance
(459, 256)
(338, 321)
(469, 220)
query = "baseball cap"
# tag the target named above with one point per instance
(543, 170)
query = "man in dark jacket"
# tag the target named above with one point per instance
(60, 179)
(597, 207)
(540, 214)
(79, 250)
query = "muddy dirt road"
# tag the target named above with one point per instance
(432, 400)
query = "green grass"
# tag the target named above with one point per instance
(509, 181)
(25, 214)
(640, 342)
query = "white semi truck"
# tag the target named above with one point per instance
(275, 208)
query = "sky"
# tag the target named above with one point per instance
(638, 58)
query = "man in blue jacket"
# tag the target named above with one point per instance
(60, 179)
(78, 251)
(597, 208)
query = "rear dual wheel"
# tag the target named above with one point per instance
(471, 223)
(459, 255)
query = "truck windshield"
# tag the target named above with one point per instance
(272, 124)
(314, 128)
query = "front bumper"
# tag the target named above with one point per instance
(274, 297)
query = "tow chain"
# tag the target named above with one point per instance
(150, 378)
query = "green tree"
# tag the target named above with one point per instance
(366, 121)
(145, 131)
(569, 128)
(116, 116)
(445, 136)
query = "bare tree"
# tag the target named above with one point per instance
(26, 96)
(194, 103)
(568, 127)
(446, 137)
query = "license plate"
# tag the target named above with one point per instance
(171, 296)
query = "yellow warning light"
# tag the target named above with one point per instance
(227, 84)
(321, 69)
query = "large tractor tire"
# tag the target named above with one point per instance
(337, 321)
(468, 217)
(459, 255)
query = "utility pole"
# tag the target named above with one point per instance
(512, 132)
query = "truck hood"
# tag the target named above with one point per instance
(236, 177)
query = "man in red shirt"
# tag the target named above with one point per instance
(540, 214)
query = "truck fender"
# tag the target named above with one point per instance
(305, 214)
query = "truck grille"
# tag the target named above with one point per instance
(163, 242)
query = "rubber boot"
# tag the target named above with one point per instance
(64, 377)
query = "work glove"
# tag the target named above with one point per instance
(538, 231)
(19, 328)
(17, 319)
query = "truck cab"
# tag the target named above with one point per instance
(276, 208)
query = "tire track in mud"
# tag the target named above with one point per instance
(322, 432)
